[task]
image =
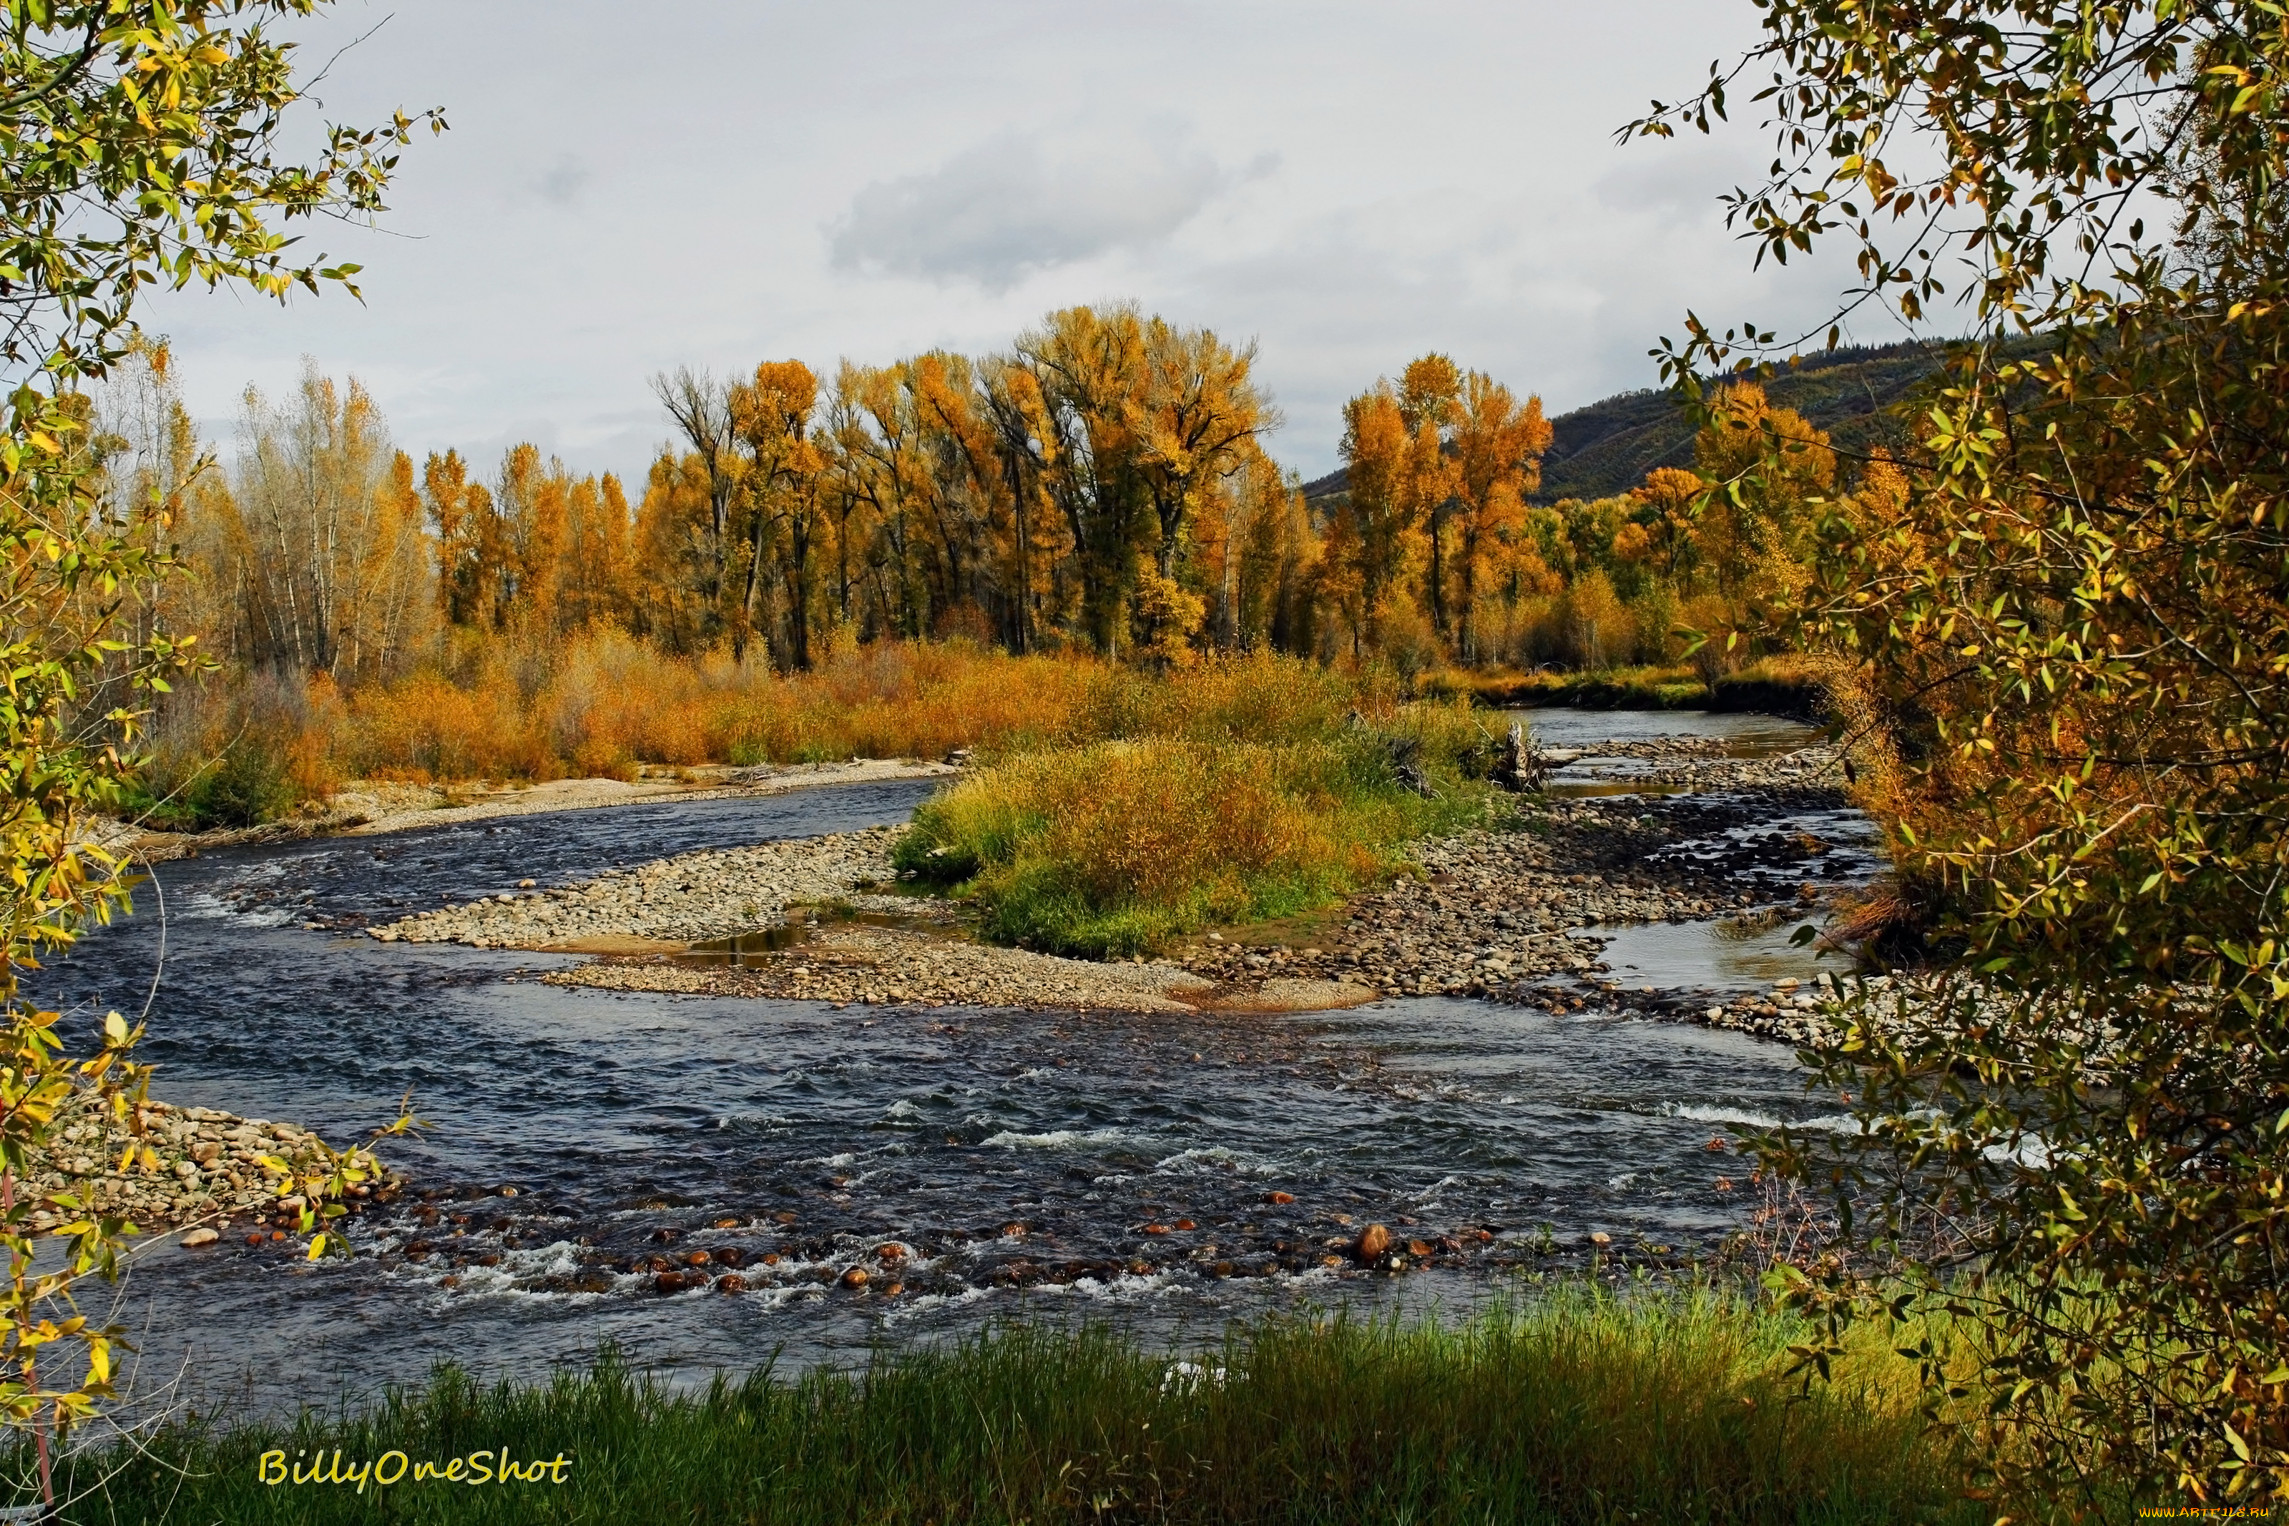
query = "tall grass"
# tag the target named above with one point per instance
(1577, 1406)
(238, 748)
(1252, 789)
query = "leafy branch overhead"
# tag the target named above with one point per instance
(138, 147)
(2065, 618)
(141, 143)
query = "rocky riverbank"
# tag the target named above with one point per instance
(686, 899)
(208, 1172)
(1503, 914)
(846, 962)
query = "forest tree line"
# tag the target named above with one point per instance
(1102, 486)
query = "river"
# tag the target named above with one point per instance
(1029, 1162)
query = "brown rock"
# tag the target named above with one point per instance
(890, 1252)
(731, 1282)
(855, 1277)
(199, 1237)
(1156, 1229)
(1374, 1240)
(1185, 1224)
(698, 1258)
(1279, 1197)
(670, 1282)
(1418, 1249)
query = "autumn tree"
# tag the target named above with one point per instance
(1497, 446)
(1374, 534)
(326, 527)
(2063, 621)
(700, 406)
(139, 143)
(779, 495)
(1091, 372)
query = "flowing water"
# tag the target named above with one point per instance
(1037, 1163)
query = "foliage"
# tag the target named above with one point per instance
(1571, 1406)
(2068, 616)
(137, 145)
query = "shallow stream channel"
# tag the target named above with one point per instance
(1166, 1171)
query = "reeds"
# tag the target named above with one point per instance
(1575, 1405)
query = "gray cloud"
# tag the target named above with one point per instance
(1024, 202)
(560, 186)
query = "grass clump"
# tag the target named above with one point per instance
(1249, 790)
(1576, 1407)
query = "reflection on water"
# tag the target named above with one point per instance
(745, 951)
(1715, 956)
(1560, 787)
(1746, 736)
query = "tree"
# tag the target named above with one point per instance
(1498, 447)
(1374, 532)
(700, 405)
(2064, 620)
(1429, 397)
(324, 537)
(1090, 371)
(771, 416)
(139, 142)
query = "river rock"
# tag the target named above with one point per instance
(1374, 1242)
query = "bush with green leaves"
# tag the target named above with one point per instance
(138, 145)
(2068, 639)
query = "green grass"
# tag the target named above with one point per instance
(1576, 1406)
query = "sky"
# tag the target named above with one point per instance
(626, 190)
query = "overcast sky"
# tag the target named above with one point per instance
(627, 189)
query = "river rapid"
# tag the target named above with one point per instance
(1051, 1165)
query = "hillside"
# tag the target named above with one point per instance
(1609, 446)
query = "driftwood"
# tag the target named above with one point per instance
(1521, 766)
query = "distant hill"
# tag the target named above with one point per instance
(1609, 446)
